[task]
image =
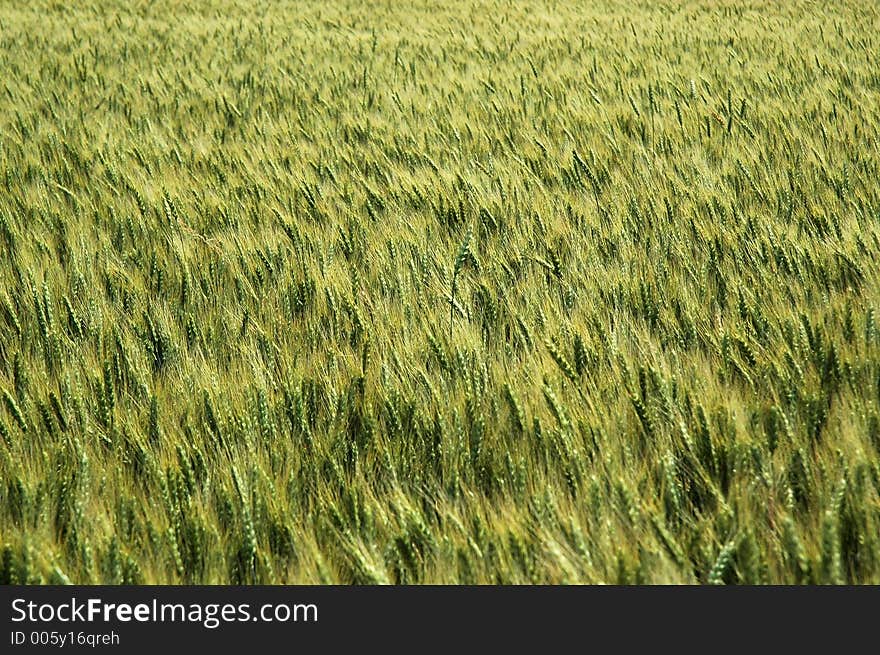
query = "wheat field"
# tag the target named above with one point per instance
(466, 292)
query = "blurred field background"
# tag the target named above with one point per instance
(439, 292)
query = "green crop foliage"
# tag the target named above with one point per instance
(498, 291)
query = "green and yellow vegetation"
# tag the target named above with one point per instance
(439, 292)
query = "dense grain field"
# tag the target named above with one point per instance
(458, 292)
